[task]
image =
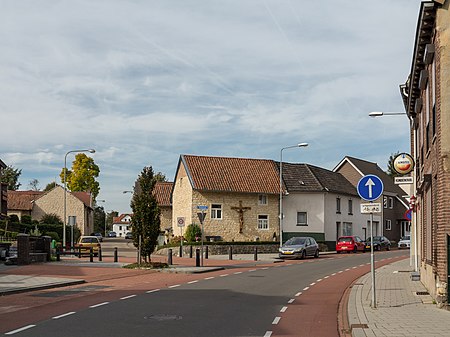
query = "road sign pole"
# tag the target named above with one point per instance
(372, 263)
(201, 255)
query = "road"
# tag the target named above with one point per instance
(292, 298)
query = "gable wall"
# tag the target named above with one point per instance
(349, 172)
(181, 200)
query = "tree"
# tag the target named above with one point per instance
(193, 232)
(109, 219)
(10, 176)
(50, 186)
(99, 219)
(51, 219)
(390, 168)
(33, 185)
(145, 221)
(82, 176)
(160, 177)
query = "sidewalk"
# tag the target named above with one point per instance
(400, 311)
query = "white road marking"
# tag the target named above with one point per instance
(354, 267)
(361, 265)
(341, 271)
(289, 264)
(305, 288)
(152, 291)
(190, 282)
(347, 269)
(291, 300)
(265, 268)
(276, 320)
(252, 270)
(319, 280)
(333, 274)
(223, 275)
(312, 284)
(127, 297)
(327, 276)
(174, 286)
(238, 272)
(20, 329)
(64, 315)
(268, 334)
(98, 305)
(283, 309)
(298, 294)
(209, 278)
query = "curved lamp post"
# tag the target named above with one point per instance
(65, 191)
(281, 186)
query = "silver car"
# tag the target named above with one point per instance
(299, 247)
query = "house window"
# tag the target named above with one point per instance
(262, 199)
(120, 228)
(350, 206)
(263, 221)
(388, 225)
(347, 229)
(216, 211)
(385, 202)
(302, 219)
(338, 205)
(391, 202)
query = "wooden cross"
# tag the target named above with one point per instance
(241, 211)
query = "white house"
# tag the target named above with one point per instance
(122, 224)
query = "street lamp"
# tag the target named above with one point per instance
(104, 210)
(380, 113)
(65, 191)
(281, 186)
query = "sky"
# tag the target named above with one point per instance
(144, 81)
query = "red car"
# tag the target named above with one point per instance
(350, 244)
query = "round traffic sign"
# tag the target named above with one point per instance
(370, 187)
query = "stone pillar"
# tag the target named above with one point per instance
(47, 247)
(23, 249)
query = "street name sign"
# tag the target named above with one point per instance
(203, 208)
(371, 208)
(370, 187)
(403, 180)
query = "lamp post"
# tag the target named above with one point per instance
(281, 186)
(65, 191)
(104, 210)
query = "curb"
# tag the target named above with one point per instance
(40, 287)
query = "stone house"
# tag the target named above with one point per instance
(3, 194)
(121, 224)
(392, 223)
(21, 202)
(322, 204)
(162, 192)
(241, 196)
(426, 97)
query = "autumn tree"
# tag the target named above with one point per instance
(145, 220)
(82, 176)
(10, 176)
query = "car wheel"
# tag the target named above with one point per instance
(316, 255)
(355, 249)
(303, 255)
(388, 247)
(379, 248)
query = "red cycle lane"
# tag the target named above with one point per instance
(315, 312)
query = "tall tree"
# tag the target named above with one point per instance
(390, 168)
(109, 219)
(145, 220)
(10, 176)
(160, 177)
(82, 176)
(33, 185)
(99, 219)
(50, 186)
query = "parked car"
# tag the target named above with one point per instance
(299, 247)
(405, 242)
(98, 235)
(129, 235)
(85, 243)
(350, 244)
(112, 234)
(379, 243)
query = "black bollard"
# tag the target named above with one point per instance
(197, 257)
(91, 254)
(256, 254)
(79, 253)
(181, 251)
(206, 252)
(116, 257)
(230, 253)
(58, 255)
(169, 257)
(100, 257)
(190, 251)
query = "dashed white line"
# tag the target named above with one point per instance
(127, 297)
(354, 267)
(333, 274)
(268, 334)
(190, 282)
(305, 288)
(252, 270)
(265, 268)
(312, 284)
(326, 276)
(238, 272)
(298, 294)
(283, 309)
(152, 291)
(347, 269)
(361, 265)
(98, 305)
(340, 271)
(209, 278)
(20, 329)
(223, 275)
(64, 315)
(174, 286)
(319, 280)
(291, 300)
(289, 264)
(276, 320)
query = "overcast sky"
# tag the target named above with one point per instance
(144, 81)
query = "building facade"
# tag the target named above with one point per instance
(3, 194)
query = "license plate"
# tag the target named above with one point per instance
(367, 246)
(287, 252)
(344, 248)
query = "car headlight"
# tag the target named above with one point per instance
(298, 250)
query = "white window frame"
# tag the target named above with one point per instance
(350, 206)
(263, 199)
(338, 205)
(388, 225)
(215, 210)
(385, 202)
(306, 219)
(263, 222)
(391, 202)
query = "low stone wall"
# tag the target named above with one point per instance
(222, 249)
(31, 249)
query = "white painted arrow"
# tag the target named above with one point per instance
(370, 183)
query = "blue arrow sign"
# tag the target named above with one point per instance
(370, 187)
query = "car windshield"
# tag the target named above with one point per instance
(88, 240)
(295, 241)
(345, 240)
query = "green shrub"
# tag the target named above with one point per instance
(26, 219)
(14, 218)
(193, 233)
(53, 235)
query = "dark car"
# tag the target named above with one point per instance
(299, 247)
(379, 243)
(112, 234)
(350, 244)
(98, 235)
(129, 235)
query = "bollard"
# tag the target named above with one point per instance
(116, 258)
(206, 252)
(91, 254)
(100, 257)
(256, 254)
(181, 251)
(230, 253)
(190, 251)
(169, 257)
(58, 255)
(79, 253)
(197, 257)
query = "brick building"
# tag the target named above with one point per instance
(426, 96)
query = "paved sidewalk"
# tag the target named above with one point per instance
(400, 311)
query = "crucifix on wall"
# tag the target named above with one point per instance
(241, 211)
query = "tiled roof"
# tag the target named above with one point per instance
(119, 219)
(162, 191)
(85, 197)
(309, 178)
(22, 200)
(222, 174)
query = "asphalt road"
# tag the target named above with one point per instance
(233, 302)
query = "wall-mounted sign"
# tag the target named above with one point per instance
(403, 180)
(371, 208)
(403, 163)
